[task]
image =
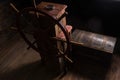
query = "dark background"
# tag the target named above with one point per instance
(99, 16)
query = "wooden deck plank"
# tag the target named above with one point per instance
(18, 63)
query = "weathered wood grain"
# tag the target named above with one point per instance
(18, 63)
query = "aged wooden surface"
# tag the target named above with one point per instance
(56, 13)
(18, 63)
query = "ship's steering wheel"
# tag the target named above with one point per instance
(30, 24)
